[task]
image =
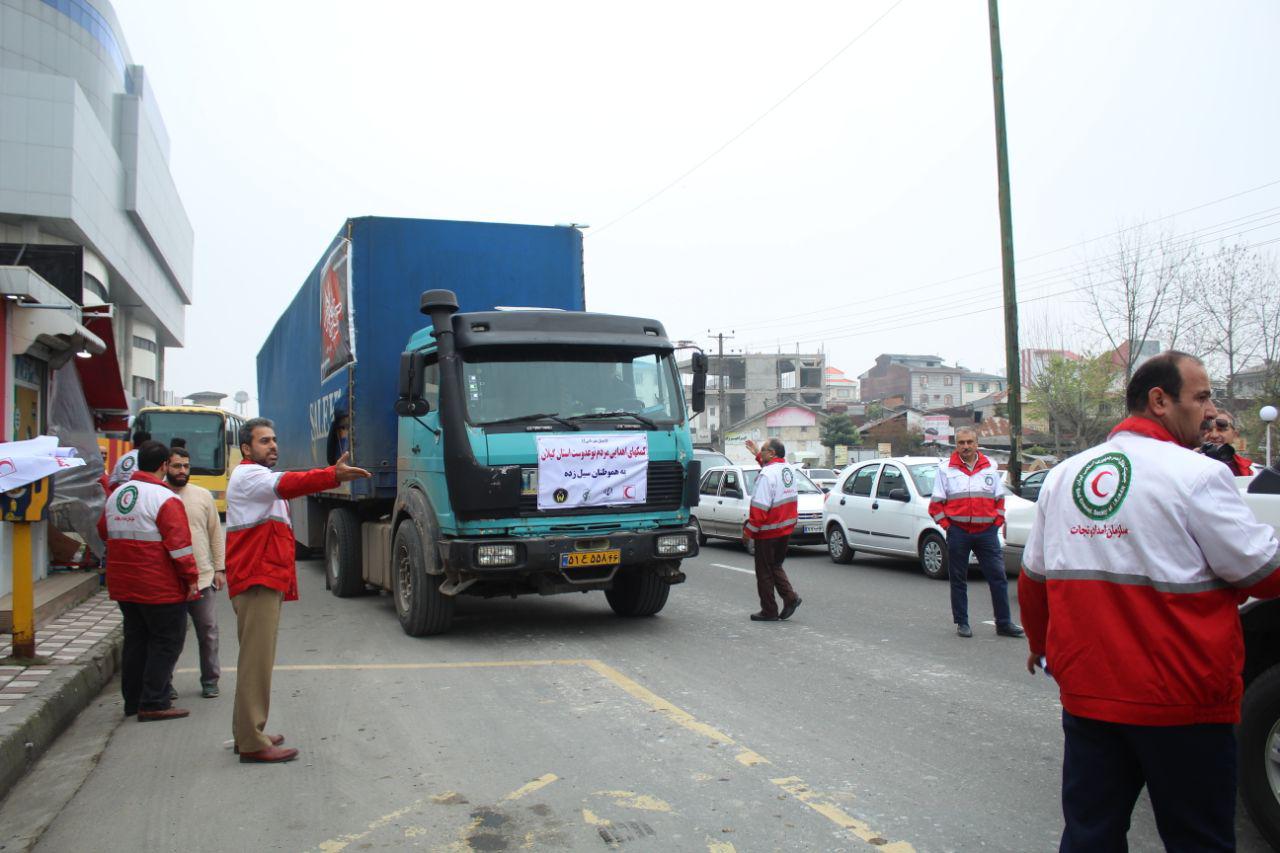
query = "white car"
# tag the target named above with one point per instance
(823, 478)
(724, 503)
(882, 507)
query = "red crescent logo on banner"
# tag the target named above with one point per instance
(629, 492)
(1098, 479)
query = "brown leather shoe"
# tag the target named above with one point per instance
(166, 714)
(276, 740)
(270, 755)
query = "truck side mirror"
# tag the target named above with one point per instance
(699, 395)
(411, 403)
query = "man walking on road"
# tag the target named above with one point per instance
(151, 575)
(207, 548)
(261, 573)
(769, 525)
(1140, 553)
(968, 503)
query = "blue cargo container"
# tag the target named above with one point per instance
(392, 261)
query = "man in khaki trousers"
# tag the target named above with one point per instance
(261, 574)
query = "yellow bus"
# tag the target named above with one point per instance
(212, 436)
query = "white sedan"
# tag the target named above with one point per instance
(724, 503)
(882, 507)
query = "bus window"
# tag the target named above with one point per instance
(203, 432)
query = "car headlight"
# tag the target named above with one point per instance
(673, 546)
(495, 555)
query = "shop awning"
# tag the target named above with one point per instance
(100, 375)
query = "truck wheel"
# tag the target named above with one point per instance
(933, 556)
(1259, 738)
(837, 546)
(419, 605)
(638, 592)
(342, 553)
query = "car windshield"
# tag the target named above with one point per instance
(821, 474)
(924, 475)
(506, 383)
(804, 485)
(201, 430)
(710, 458)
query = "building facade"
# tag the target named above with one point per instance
(921, 381)
(754, 382)
(95, 244)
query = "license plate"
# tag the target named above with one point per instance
(578, 559)
(812, 528)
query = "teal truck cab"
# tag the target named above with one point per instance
(538, 452)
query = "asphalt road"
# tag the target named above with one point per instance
(549, 723)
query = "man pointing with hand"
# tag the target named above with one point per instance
(261, 574)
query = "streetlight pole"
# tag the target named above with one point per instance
(1012, 369)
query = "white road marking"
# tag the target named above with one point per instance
(734, 568)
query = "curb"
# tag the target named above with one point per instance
(32, 726)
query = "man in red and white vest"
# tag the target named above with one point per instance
(769, 524)
(151, 575)
(968, 503)
(261, 573)
(1140, 553)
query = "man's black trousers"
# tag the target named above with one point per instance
(1189, 771)
(153, 635)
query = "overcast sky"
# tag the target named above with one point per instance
(845, 218)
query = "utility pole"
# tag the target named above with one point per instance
(721, 413)
(1012, 369)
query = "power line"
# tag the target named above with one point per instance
(1027, 259)
(752, 124)
(947, 313)
(1268, 218)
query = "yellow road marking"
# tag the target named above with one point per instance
(791, 784)
(333, 845)
(720, 847)
(528, 788)
(632, 800)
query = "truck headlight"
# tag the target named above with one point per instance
(673, 546)
(495, 555)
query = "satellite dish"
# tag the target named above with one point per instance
(241, 397)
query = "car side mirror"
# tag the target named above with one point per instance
(410, 403)
(899, 495)
(698, 400)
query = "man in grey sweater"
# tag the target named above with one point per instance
(208, 550)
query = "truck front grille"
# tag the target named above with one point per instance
(665, 491)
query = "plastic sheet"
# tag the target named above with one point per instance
(78, 498)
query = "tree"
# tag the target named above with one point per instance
(1233, 287)
(1137, 292)
(1074, 397)
(837, 429)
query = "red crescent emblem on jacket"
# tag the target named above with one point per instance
(1094, 483)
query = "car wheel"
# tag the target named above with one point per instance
(1259, 738)
(749, 544)
(702, 537)
(838, 546)
(933, 555)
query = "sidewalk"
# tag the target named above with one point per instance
(37, 703)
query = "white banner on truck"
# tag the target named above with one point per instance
(592, 470)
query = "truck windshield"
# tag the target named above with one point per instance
(203, 432)
(508, 383)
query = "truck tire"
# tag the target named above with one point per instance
(421, 608)
(637, 592)
(342, 553)
(1259, 739)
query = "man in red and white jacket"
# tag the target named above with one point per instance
(1140, 553)
(261, 573)
(769, 525)
(151, 575)
(968, 503)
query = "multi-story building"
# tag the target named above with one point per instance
(974, 385)
(922, 381)
(95, 245)
(841, 391)
(754, 382)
